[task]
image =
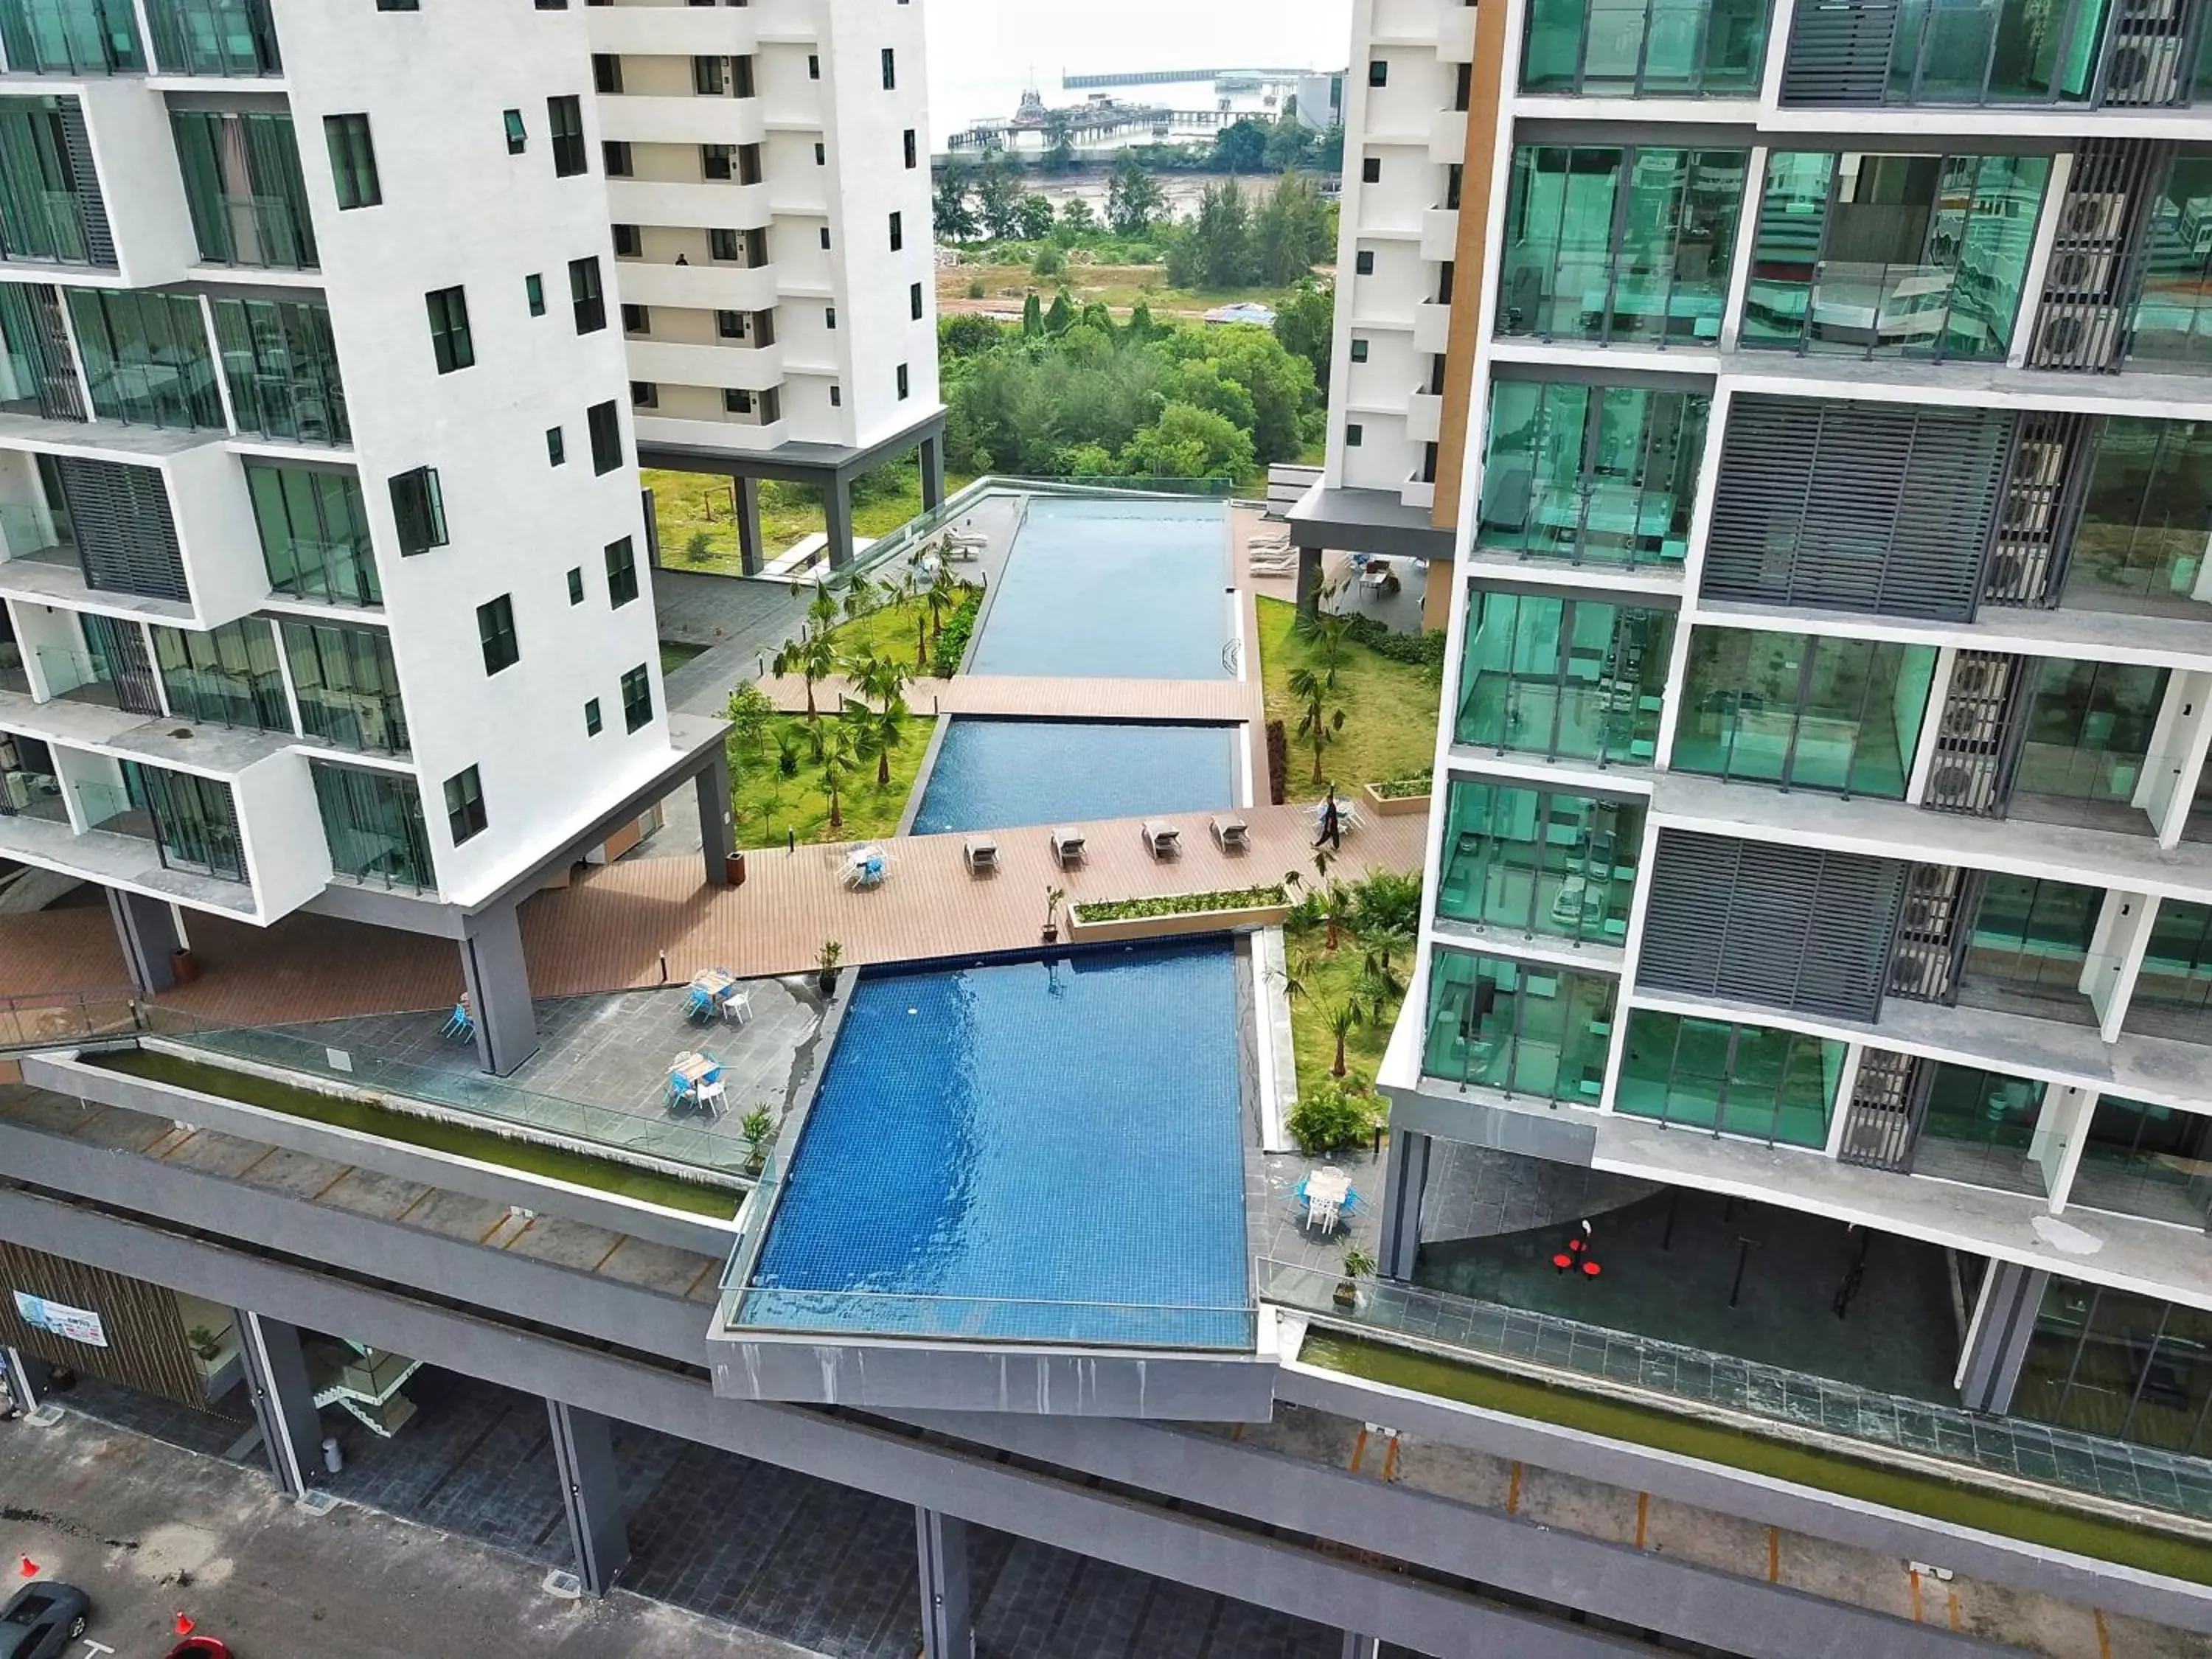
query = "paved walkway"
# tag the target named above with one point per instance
(1048, 699)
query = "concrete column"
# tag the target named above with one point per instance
(930, 456)
(146, 930)
(1401, 1203)
(1357, 1646)
(1996, 1341)
(715, 833)
(652, 531)
(1309, 580)
(749, 541)
(591, 1490)
(283, 1399)
(948, 1623)
(2117, 949)
(837, 514)
(499, 989)
(2178, 741)
(1437, 589)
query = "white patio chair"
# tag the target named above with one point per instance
(1067, 847)
(737, 1008)
(1161, 839)
(980, 854)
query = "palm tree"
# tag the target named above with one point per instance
(872, 734)
(1382, 944)
(836, 761)
(1336, 911)
(1343, 1021)
(1318, 722)
(944, 590)
(812, 659)
(860, 598)
(1377, 987)
(822, 609)
(884, 680)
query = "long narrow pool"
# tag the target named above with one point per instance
(1003, 773)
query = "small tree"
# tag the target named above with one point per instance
(1343, 1020)
(750, 713)
(835, 757)
(1319, 722)
(699, 548)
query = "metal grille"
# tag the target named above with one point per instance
(2042, 502)
(1839, 53)
(2096, 258)
(2148, 53)
(1974, 744)
(1786, 926)
(1858, 506)
(36, 313)
(1924, 967)
(1886, 1103)
(76, 142)
(126, 542)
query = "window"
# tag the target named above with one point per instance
(898, 232)
(419, 510)
(586, 297)
(903, 385)
(2172, 322)
(465, 806)
(913, 151)
(564, 118)
(534, 290)
(1371, 171)
(829, 316)
(825, 239)
(1354, 435)
(1455, 182)
(1360, 351)
(399, 5)
(227, 674)
(1518, 1028)
(622, 574)
(629, 242)
(1528, 861)
(604, 422)
(373, 822)
(890, 70)
(714, 161)
(1712, 47)
(644, 394)
(556, 445)
(821, 153)
(353, 160)
(1363, 263)
(450, 340)
(146, 356)
(637, 697)
(496, 633)
(552, 5)
(1378, 72)
(347, 686)
(1732, 1079)
(314, 533)
(575, 584)
(730, 324)
(836, 396)
(709, 76)
(1573, 678)
(606, 72)
(1591, 474)
(517, 140)
(813, 66)
(281, 365)
(243, 188)
(614, 157)
(2140, 544)
(1463, 89)
(591, 717)
(636, 319)
(724, 244)
(914, 301)
(736, 401)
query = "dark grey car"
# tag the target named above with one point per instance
(42, 1620)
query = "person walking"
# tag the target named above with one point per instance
(1331, 823)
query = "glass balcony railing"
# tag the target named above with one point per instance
(214, 37)
(1647, 48)
(27, 531)
(48, 226)
(70, 37)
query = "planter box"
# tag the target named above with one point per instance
(1394, 806)
(1189, 921)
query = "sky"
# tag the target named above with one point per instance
(982, 53)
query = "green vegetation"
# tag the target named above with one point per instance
(1413, 789)
(1182, 904)
(1350, 947)
(435, 1134)
(1331, 1118)
(1390, 706)
(1926, 1495)
(674, 653)
(694, 512)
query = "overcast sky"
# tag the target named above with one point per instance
(981, 52)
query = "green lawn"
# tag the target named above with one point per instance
(674, 653)
(890, 630)
(768, 806)
(1389, 709)
(1914, 1493)
(1330, 979)
(685, 504)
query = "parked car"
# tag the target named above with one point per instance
(200, 1647)
(42, 1618)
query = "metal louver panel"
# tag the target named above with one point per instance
(1787, 926)
(99, 239)
(2042, 502)
(1976, 736)
(126, 541)
(35, 314)
(2096, 255)
(1856, 507)
(1839, 53)
(1888, 1102)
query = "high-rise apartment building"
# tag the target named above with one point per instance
(1822, 819)
(768, 173)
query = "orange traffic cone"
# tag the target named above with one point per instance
(28, 1566)
(185, 1627)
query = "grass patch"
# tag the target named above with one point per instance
(433, 1135)
(894, 631)
(689, 505)
(1182, 904)
(1914, 1493)
(1331, 978)
(1390, 708)
(768, 806)
(674, 653)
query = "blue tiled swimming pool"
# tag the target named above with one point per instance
(1001, 774)
(1046, 1150)
(1117, 589)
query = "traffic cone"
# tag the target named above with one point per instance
(27, 1566)
(185, 1627)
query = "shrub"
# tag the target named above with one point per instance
(1386, 901)
(975, 287)
(749, 713)
(699, 547)
(1180, 904)
(1049, 261)
(1335, 1117)
(1422, 783)
(945, 656)
(1423, 650)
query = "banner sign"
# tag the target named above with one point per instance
(77, 1324)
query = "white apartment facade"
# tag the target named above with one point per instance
(1822, 815)
(770, 192)
(326, 570)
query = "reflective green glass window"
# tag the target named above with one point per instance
(1877, 256)
(373, 822)
(2087, 740)
(2174, 316)
(1612, 244)
(227, 677)
(2142, 541)
(1538, 861)
(314, 533)
(281, 365)
(243, 188)
(1519, 1029)
(1602, 473)
(1563, 678)
(1670, 48)
(51, 206)
(2124, 1366)
(214, 37)
(2031, 937)
(1776, 1086)
(2155, 1162)
(146, 357)
(1968, 51)
(70, 37)
(2173, 991)
(194, 819)
(346, 685)
(1805, 711)
(1980, 1127)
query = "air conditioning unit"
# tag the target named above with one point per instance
(2076, 337)
(1971, 679)
(2144, 72)
(2095, 216)
(2150, 11)
(2079, 273)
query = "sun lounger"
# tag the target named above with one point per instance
(1232, 835)
(982, 853)
(1067, 847)
(1161, 839)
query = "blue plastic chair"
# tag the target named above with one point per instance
(459, 1022)
(700, 1007)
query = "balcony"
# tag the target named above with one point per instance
(696, 287)
(672, 31)
(1425, 415)
(71, 37)
(1431, 326)
(749, 368)
(715, 202)
(1440, 233)
(638, 120)
(1448, 136)
(229, 39)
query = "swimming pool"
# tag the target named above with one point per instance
(1003, 773)
(1115, 589)
(1040, 1151)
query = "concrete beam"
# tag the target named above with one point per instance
(283, 1399)
(591, 1493)
(948, 1622)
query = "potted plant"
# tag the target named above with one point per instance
(206, 1344)
(825, 963)
(1357, 1265)
(758, 1128)
(1053, 896)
